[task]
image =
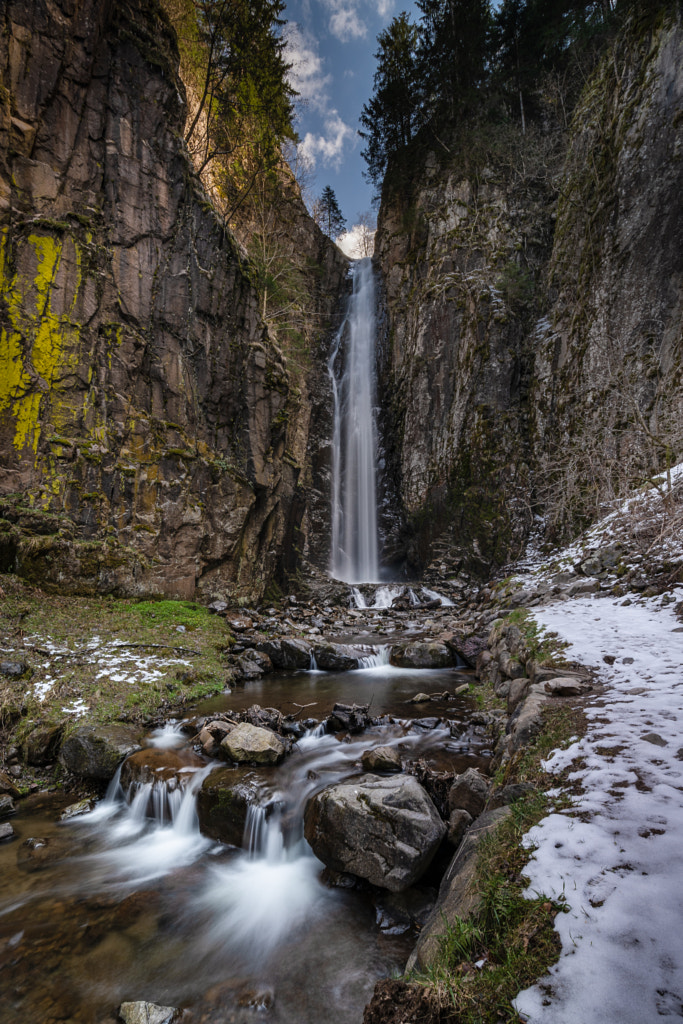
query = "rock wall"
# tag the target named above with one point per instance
(151, 436)
(533, 293)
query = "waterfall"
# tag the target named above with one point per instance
(354, 495)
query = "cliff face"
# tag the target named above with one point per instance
(151, 437)
(534, 316)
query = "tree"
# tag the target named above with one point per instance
(391, 118)
(451, 60)
(241, 78)
(327, 213)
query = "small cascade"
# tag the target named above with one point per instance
(355, 557)
(377, 659)
(385, 596)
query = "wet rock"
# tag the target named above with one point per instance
(260, 659)
(421, 655)
(251, 743)
(384, 829)
(458, 823)
(398, 912)
(95, 751)
(468, 648)
(41, 745)
(247, 668)
(420, 698)
(6, 831)
(337, 657)
(237, 622)
(154, 765)
(223, 802)
(353, 718)
(381, 759)
(6, 806)
(77, 810)
(148, 1013)
(286, 653)
(212, 735)
(458, 897)
(469, 792)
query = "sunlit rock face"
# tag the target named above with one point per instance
(143, 405)
(534, 306)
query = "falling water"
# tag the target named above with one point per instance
(354, 497)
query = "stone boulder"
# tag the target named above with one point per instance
(155, 765)
(353, 718)
(422, 654)
(42, 743)
(223, 803)
(251, 744)
(468, 648)
(381, 759)
(469, 792)
(287, 654)
(337, 657)
(212, 735)
(96, 751)
(384, 829)
(6, 805)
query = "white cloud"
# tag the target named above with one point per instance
(329, 148)
(384, 7)
(345, 21)
(306, 74)
(358, 242)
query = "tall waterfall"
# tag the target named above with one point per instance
(354, 496)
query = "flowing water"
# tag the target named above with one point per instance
(355, 557)
(132, 902)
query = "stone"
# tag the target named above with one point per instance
(253, 744)
(14, 669)
(566, 686)
(527, 720)
(458, 822)
(381, 828)
(260, 659)
(286, 653)
(6, 805)
(655, 739)
(381, 759)
(420, 698)
(223, 804)
(41, 745)
(238, 623)
(148, 1013)
(508, 794)
(518, 690)
(6, 831)
(458, 896)
(158, 765)
(352, 718)
(510, 667)
(467, 648)
(421, 655)
(218, 607)
(212, 735)
(38, 853)
(468, 792)
(247, 668)
(78, 809)
(95, 751)
(337, 657)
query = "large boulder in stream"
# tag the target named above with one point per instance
(421, 654)
(155, 765)
(96, 751)
(287, 654)
(337, 657)
(253, 745)
(381, 828)
(223, 803)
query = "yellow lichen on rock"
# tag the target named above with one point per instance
(33, 344)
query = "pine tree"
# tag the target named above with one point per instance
(327, 213)
(453, 52)
(391, 118)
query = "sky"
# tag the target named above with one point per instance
(331, 46)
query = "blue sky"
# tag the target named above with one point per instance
(331, 45)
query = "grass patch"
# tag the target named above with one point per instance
(509, 941)
(123, 659)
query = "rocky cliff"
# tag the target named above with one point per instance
(153, 438)
(532, 357)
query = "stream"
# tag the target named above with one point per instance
(132, 902)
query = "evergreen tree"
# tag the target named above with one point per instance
(327, 213)
(453, 52)
(391, 118)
